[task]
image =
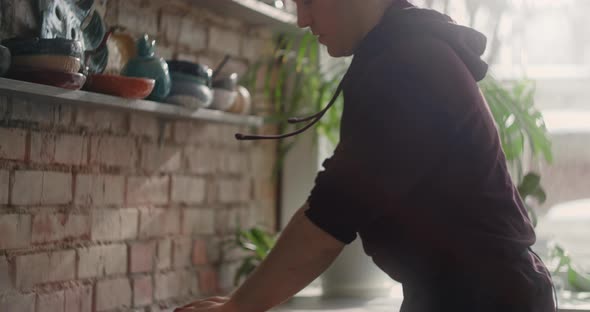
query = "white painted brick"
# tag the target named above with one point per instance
(12, 144)
(188, 190)
(49, 227)
(170, 26)
(99, 190)
(15, 231)
(5, 275)
(101, 261)
(4, 184)
(193, 35)
(127, 15)
(233, 163)
(158, 222)
(43, 268)
(41, 187)
(18, 302)
(157, 158)
(113, 151)
(101, 120)
(142, 291)
(63, 115)
(51, 302)
(71, 149)
(175, 284)
(232, 191)
(147, 190)
(254, 48)
(182, 252)
(201, 160)
(198, 222)
(78, 299)
(144, 125)
(164, 254)
(112, 294)
(224, 41)
(227, 221)
(147, 21)
(114, 225)
(3, 106)
(195, 132)
(36, 112)
(42, 147)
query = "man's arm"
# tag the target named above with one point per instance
(302, 252)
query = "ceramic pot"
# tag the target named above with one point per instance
(121, 48)
(202, 72)
(223, 99)
(5, 60)
(184, 86)
(72, 81)
(37, 46)
(228, 83)
(127, 87)
(147, 65)
(243, 102)
(61, 63)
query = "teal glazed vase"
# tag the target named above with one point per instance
(147, 65)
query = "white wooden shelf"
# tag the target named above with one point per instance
(254, 12)
(50, 95)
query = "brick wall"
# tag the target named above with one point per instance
(113, 211)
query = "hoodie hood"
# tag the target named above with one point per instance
(467, 43)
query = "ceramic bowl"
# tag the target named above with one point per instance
(243, 102)
(202, 72)
(36, 46)
(127, 87)
(228, 83)
(5, 60)
(61, 63)
(223, 99)
(72, 81)
(203, 96)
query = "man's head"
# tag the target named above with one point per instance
(340, 24)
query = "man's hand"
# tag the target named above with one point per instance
(213, 304)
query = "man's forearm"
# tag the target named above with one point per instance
(301, 254)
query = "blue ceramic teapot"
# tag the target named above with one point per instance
(147, 65)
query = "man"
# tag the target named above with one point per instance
(419, 173)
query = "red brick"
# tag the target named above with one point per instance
(5, 275)
(40, 268)
(42, 147)
(158, 222)
(4, 181)
(12, 144)
(188, 190)
(99, 190)
(78, 299)
(182, 252)
(71, 150)
(142, 291)
(114, 224)
(113, 294)
(147, 190)
(208, 282)
(199, 254)
(141, 257)
(160, 158)
(101, 261)
(15, 231)
(201, 160)
(198, 222)
(41, 187)
(51, 302)
(101, 120)
(18, 302)
(144, 125)
(113, 151)
(174, 284)
(49, 227)
(164, 255)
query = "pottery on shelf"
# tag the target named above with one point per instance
(147, 65)
(121, 48)
(127, 87)
(39, 46)
(224, 92)
(5, 60)
(72, 81)
(243, 103)
(190, 84)
(202, 72)
(63, 63)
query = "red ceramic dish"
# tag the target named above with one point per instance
(72, 81)
(127, 87)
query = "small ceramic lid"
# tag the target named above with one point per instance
(145, 46)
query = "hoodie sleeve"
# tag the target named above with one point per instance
(395, 130)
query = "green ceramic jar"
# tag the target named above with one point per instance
(147, 65)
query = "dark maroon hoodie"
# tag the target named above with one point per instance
(420, 174)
